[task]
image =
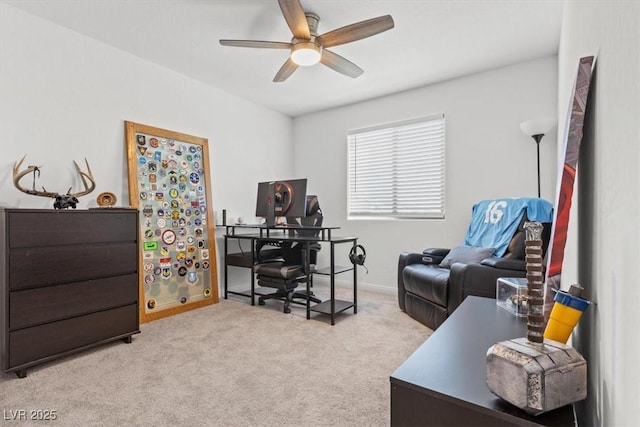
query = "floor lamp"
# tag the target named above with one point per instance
(536, 129)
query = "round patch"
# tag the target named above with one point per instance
(168, 237)
(161, 223)
(194, 178)
(153, 142)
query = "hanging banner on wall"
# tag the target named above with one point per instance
(564, 190)
(169, 184)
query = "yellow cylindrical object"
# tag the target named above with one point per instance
(566, 311)
(561, 323)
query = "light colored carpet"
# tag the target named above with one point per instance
(230, 364)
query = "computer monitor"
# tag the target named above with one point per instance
(281, 198)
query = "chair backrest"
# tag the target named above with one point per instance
(294, 254)
(495, 223)
(516, 248)
(313, 218)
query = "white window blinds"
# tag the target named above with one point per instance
(397, 171)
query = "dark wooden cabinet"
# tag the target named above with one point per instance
(443, 383)
(69, 281)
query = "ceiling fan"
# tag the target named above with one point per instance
(309, 48)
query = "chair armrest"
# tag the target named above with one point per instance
(405, 259)
(436, 255)
(505, 263)
(476, 279)
(427, 257)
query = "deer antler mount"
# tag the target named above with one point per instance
(63, 201)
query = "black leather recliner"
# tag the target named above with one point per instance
(430, 293)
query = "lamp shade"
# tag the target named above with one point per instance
(537, 126)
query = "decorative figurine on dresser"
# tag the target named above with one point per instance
(69, 282)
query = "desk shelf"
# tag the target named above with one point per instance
(326, 271)
(325, 306)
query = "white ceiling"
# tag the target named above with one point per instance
(432, 41)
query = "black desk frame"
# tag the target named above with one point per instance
(262, 233)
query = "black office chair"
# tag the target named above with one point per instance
(284, 269)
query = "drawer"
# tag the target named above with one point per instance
(36, 306)
(40, 342)
(30, 229)
(33, 267)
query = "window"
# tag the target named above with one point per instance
(397, 170)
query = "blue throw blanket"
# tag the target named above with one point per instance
(494, 222)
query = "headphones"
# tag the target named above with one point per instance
(358, 258)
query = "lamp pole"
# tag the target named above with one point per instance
(536, 129)
(537, 138)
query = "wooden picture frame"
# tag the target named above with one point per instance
(170, 185)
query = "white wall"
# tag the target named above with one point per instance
(66, 97)
(487, 156)
(607, 229)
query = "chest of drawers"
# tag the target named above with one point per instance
(68, 282)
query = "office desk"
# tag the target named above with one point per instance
(261, 234)
(443, 381)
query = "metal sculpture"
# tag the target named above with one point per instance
(62, 201)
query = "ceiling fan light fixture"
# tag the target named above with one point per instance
(306, 53)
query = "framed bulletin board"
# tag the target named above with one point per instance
(170, 185)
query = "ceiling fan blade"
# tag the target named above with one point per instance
(340, 64)
(296, 20)
(357, 31)
(256, 43)
(285, 71)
